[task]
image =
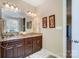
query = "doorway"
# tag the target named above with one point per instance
(69, 28)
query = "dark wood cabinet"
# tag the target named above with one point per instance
(12, 49)
(0, 49)
(28, 46)
(20, 48)
(7, 49)
(37, 43)
(18, 51)
(8, 52)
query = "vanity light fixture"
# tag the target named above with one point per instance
(12, 7)
(31, 14)
(16, 9)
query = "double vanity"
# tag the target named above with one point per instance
(14, 43)
(20, 46)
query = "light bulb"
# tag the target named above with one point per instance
(29, 13)
(16, 9)
(12, 7)
(7, 5)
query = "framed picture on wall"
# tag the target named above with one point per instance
(29, 25)
(44, 22)
(52, 21)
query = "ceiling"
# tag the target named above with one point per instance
(35, 2)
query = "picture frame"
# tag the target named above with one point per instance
(44, 22)
(52, 21)
(29, 25)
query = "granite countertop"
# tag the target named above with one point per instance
(21, 36)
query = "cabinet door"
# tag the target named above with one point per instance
(7, 50)
(37, 43)
(19, 49)
(0, 49)
(34, 46)
(28, 46)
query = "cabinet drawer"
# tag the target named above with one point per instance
(18, 41)
(38, 37)
(5, 44)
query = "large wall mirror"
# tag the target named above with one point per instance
(15, 21)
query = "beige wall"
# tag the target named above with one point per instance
(52, 37)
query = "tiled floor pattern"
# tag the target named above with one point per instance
(75, 50)
(41, 54)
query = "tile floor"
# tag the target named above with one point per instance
(75, 50)
(43, 53)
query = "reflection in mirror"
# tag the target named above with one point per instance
(15, 21)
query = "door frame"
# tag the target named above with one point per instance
(64, 28)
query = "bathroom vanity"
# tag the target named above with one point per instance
(14, 45)
(20, 46)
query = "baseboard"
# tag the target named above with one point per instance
(54, 54)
